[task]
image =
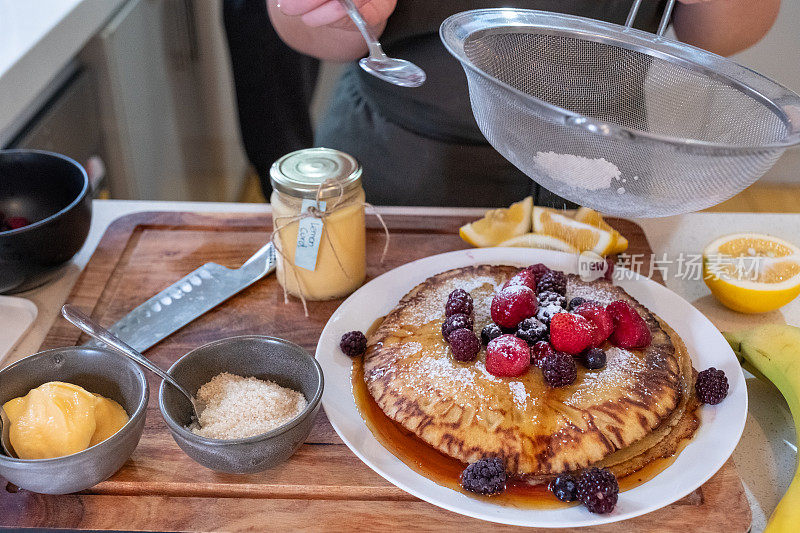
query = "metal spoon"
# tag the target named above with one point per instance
(89, 326)
(5, 440)
(396, 71)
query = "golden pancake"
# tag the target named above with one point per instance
(467, 413)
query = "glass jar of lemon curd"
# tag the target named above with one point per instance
(323, 256)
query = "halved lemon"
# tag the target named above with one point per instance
(593, 218)
(582, 236)
(752, 272)
(499, 225)
(544, 242)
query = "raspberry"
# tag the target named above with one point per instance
(571, 333)
(630, 329)
(609, 273)
(16, 222)
(597, 315)
(464, 344)
(531, 330)
(594, 358)
(565, 488)
(486, 476)
(523, 277)
(711, 386)
(555, 281)
(353, 343)
(538, 270)
(508, 355)
(459, 302)
(490, 332)
(559, 369)
(512, 305)
(539, 351)
(454, 322)
(575, 302)
(598, 490)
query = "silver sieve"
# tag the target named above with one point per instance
(621, 120)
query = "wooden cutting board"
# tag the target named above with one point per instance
(323, 486)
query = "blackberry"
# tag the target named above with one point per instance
(459, 302)
(547, 298)
(353, 343)
(490, 332)
(486, 476)
(555, 281)
(559, 369)
(575, 302)
(598, 490)
(550, 303)
(531, 330)
(464, 344)
(711, 386)
(454, 322)
(594, 358)
(565, 488)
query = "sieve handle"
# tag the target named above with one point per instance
(662, 27)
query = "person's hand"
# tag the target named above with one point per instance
(694, 1)
(317, 13)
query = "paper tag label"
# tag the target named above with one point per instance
(309, 235)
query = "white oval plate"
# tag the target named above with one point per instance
(719, 432)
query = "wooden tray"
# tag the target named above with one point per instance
(324, 486)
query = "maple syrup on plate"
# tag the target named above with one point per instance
(446, 471)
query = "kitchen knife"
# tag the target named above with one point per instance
(188, 298)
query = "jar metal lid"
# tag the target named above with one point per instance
(300, 173)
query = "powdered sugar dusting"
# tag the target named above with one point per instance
(577, 171)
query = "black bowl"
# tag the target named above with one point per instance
(52, 191)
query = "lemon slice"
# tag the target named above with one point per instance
(584, 237)
(752, 272)
(593, 218)
(499, 225)
(544, 242)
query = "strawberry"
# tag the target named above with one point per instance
(630, 329)
(508, 355)
(539, 351)
(17, 222)
(597, 315)
(524, 277)
(571, 333)
(512, 305)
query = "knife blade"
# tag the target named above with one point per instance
(189, 298)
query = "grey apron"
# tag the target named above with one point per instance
(421, 146)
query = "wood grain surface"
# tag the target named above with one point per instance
(323, 486)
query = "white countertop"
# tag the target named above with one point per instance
(38, 38)
(767, 453)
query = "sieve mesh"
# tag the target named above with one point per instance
(686, 137)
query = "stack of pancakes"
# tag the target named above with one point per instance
(637, 408)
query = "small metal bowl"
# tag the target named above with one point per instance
(277, 360)
(98, 371)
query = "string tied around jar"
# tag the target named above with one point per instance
(282, 222)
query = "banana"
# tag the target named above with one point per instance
(772, 352)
